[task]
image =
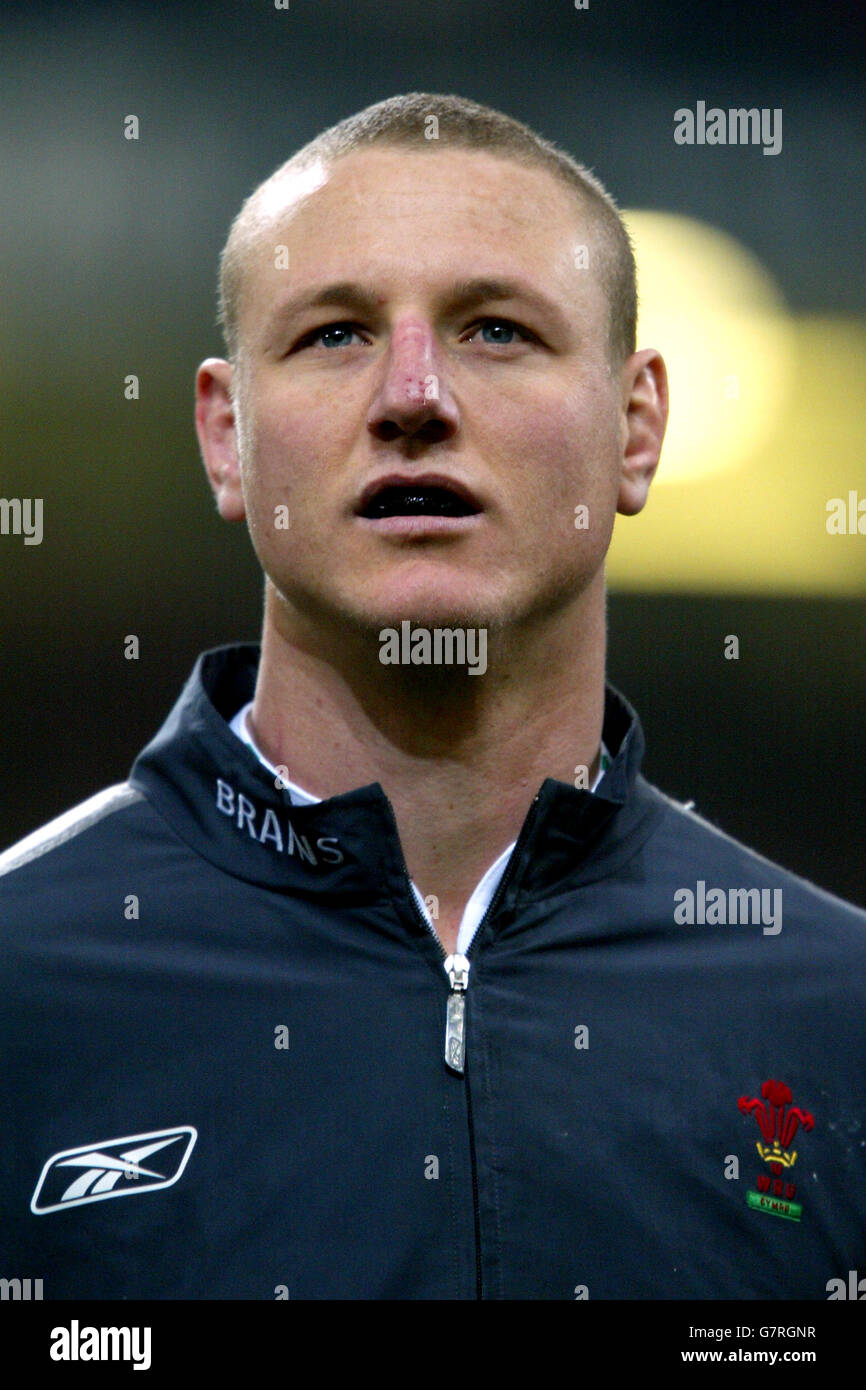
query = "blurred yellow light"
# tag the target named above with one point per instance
(721, 325)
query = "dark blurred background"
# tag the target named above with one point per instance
(109, 256)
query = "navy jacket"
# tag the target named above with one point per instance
(223, 1038)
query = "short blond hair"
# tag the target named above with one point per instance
(407, 122)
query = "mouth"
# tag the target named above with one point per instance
(425, 496)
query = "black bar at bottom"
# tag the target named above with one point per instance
(167, 1340)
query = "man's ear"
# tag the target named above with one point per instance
(645, 415)
(217, 435)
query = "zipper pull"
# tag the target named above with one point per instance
(457, 970)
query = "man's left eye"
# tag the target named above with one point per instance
(501, 332)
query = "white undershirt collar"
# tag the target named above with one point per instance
(487, 884)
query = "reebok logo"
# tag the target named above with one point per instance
(113, 1168)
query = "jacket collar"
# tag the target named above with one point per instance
(219, 799)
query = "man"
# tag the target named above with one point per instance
(386, 975)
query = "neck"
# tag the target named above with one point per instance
(459, 756)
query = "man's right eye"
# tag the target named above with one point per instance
(330, 335)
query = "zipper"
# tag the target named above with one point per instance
(455, 1018)
(510, 868)
(457, 968)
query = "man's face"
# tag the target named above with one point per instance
(463, 346)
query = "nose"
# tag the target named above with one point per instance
(413, 397)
